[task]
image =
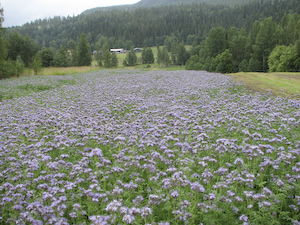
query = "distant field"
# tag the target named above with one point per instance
(286, 84)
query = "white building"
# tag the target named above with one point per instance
(117, 50)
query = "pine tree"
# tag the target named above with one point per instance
(72, 52)
(114, 60)
(106, 56)
(159, 55)
(165, 56)
(147, 56)
(131, 58)
(84, 56)
(3, 50)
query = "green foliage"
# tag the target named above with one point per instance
(7, 68)
(47, 57)
(169, 41)
(254, 65)
(147, 56)
(35, 88)
(237, 45)
(114, 60)
(215, 42)
(265, 41)
(19, 66)
(159, 55)
(182, 22)
(165, 57)
(106, 56)
(36, 64)
(193, 63)
(128, 44)
(131, 58)
(210, 64)
(182, 54)
(249, 52)
(284, 59)
(17, 45)
(72, 53)
(3, 49)
(61, 59)
(244, 66)
(84, 56)
(224, 62)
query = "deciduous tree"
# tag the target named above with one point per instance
(224, 62)
(46, 56)
(36, 64)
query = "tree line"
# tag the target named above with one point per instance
(18, 53)
(269, 43)
(269, 46)
(151, 26)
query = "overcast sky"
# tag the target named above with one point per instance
(19, 12)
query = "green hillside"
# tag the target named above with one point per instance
(150, 3)
(156, 3)
(151, 25)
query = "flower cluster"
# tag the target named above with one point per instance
(178, 147)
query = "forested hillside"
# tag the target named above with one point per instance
(151, 3)
(150, 26)
(155, 3)
(258, 36)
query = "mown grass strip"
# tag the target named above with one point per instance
(286, 84)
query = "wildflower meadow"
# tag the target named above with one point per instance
(158, 147)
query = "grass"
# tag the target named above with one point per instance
(286, 84)
(68, 70)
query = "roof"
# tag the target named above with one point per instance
(116, 49)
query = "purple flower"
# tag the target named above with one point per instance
(73, 215)
(243, 218)
(197, 187)
(113, 206)
(175, 194)
(146, 211)
(238, 161)
(128, 219)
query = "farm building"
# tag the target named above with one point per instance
(138, 50)
(117, 50)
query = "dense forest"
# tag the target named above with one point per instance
(257, 36)
(269, 46)
(150, 26)
(156, 3)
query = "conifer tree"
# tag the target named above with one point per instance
(84, 56)
(131, 58)
(114, 60)
(3, 51)
(106, 56)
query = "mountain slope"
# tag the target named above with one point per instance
(151, 3)
(156, 3)
(151, 25)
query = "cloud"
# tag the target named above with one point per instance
(19, 12)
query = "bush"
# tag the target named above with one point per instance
(244, 66)
(224, 62)
(11, 68)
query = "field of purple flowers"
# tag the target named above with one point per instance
(180, 147)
